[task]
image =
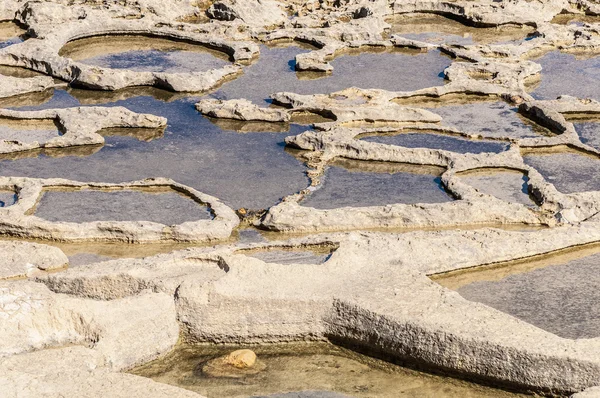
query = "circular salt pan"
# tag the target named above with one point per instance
(144, 54)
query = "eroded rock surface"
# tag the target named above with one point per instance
(22, 259)
(74, 332)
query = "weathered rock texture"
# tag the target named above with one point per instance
(78, 126)
(24, 259)
(373, 291)
(71, 333)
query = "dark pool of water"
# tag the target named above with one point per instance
(589, 133)
(569, 172)
(566, 74)
(395, 71)
(359, 184)
(575, 19)
(292, 256)
(560, 298)
(7, 198)
(437, 141)
(167, 208)
(438, 29)
(249, 170)
(139, 53)
(28, 131)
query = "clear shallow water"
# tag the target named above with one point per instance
(566, 74)
(589, 133)
(507, 185)
(7, 198)
(560, 297)
(249, 170)
(436, 141)
(309, 370)
(489, 119)
(438, 29)
(94, 252)
(358, 184)
(569, 172)
(399, 71)
(317, 255)
(139, 53)
(166, 207)
(10, 34)
(28, 131)
(575, 19)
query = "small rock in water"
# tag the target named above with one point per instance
(241, 359)
(238, 364)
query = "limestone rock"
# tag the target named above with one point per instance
(241, 359)
(124, 332)
(592, 392)
(24, 259)
(11, 86)
(252, 12)
(237, 364)
(75, 372)
(240, 109)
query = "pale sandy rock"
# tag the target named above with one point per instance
(592, 392)
(241, 359)
(41, 53)
(127, 277)
(24, 259)
(252, 12)
(10, 86)
(238, 364)
(257, 301)
(75, 372)
(80, 126)
(46, 13)
(354, 105)
(241, 109)
(124, 332)
(488, 12)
